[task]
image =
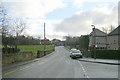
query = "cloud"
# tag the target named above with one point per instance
(34, 11)
(108, 19)
(33, 8)
(80, 24)
(50, 29)
(81, 1)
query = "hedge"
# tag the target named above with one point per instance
(106, 54)
(42, 53)
(10, 50)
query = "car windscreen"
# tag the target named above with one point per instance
(75, 51)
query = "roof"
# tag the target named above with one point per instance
(115, 31)
(98, 33)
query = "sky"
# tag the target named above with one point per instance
(63, 17)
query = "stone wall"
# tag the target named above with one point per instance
(16, 57)
(22, 56)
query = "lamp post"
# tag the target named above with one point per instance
(118, 38)
(94, 35)
(44, 39)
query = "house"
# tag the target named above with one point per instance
(58, 42)
(97, 38)
(45, 41)
(113, 39)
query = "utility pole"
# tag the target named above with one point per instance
(119, 37)
(94, 32)
(44, 40)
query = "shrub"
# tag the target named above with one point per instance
(106, 54)
(10, 50)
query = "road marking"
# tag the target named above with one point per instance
(24, 67)
(9, 72)
(84, 70)
(41, 63)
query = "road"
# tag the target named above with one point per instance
(59, 65)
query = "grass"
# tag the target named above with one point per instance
(34, 48)
(1, 46)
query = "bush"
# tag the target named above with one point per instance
(106, 54)
(42, 53)
(10, 50)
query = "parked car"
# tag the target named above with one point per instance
(74, 53)
(72, 50)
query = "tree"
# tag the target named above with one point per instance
(68, 40)
(111, 28)
(4, 25)
(83, 44)
(72, 41)
(105, 29)
(18, 27)
(4, 21)
(84, 41)
(108, 29)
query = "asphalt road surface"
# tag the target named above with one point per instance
(59, 65)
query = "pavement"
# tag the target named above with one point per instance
(102, 61)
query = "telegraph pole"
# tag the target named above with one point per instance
(94, 32)
(44, 40)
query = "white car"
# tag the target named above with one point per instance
(72, 50)
(74, 53)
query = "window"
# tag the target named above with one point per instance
(114, 41)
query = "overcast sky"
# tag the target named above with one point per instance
(63, 17)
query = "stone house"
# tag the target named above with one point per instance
(102, 40)
(113, 39)
(97, 38)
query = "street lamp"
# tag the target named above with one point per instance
(94, 35)
(44, 39)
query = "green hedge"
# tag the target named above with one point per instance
(10, 50)
(106, 54)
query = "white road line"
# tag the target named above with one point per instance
(24, 68)
(84, 70)
(67, 62)
(41, 63)
(9, 72)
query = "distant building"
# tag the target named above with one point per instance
(97, 38)
(113, 39)
(57, 42)
(45, 41)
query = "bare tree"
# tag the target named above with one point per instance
(111, 28)
(4, 26)
(105, 29)
(18, 26)
(108, 29)
(4, 21)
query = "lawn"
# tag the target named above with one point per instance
(0, 46)
(34, 48)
